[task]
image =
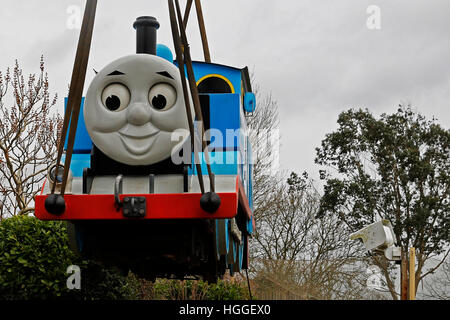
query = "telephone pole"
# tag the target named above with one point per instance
(408, 283)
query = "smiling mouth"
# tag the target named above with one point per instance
(141, 132)
(138, 146)
(138, 140)
(133, 136)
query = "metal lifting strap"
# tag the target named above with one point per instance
(186, 13)
(183, 57)
(179, 54)
(194, 93)
(76, 89)
(201, 25)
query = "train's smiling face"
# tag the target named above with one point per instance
(132, 107)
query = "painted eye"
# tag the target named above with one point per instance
(162, 96)
(116, 97)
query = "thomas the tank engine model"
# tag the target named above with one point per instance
(130, 201)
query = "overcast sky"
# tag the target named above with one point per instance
(316, 57)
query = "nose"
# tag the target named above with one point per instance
(138, 114)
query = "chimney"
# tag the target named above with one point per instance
(146, 34)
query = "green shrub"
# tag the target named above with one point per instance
(228, 290)
(99, 282)
(164, 289)
(34, 256)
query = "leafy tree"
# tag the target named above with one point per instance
(395, 167)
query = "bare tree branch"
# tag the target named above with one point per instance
(28, 138)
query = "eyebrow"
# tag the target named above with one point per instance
(115, 73)
(165, 74)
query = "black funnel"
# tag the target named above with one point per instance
(146, 34)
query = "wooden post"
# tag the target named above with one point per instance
(404, 278)
(412, 274)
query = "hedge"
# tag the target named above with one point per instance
(34, 256)
(165, 289)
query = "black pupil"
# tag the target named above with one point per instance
(159, 102)
(113, 102)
